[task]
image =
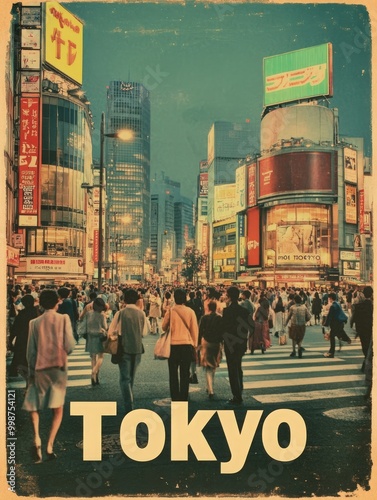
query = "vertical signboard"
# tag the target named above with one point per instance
(224, 201)
(253, 237)
(350, 165)
(96, 223)
(205, 239)
(63, 41)
(241, 188)
(251, 185)
(29, 148)
(203, 184)
(362, 211)
(351, 204)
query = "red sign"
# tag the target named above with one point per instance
(203, 184)
(13, 256)
(95, 245)
(29, 158)
(251, 187)
(361, 211)
(253, 237)
(310, 171)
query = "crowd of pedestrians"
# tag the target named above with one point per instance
(205, 323)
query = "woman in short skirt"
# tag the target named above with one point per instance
(50, 341)
(210, 341)
(95, 327)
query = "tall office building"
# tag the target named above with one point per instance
(172, 225)
(128, 177)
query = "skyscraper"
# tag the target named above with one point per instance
(128, 177)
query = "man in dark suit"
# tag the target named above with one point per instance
(237, 323)
(69, 306)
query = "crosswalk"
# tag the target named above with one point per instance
(275, 377)
(79, 370)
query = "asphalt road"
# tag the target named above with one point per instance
(325, 396)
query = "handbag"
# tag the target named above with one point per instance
(81, 328)
(162, 346)
(282, 339)
(117, 356)
(110, 345)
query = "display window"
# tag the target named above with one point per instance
(298, 235)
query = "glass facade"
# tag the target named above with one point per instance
(66, 164)
(128, 175)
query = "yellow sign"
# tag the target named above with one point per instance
(63, 41)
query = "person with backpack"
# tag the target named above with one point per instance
(336, 319)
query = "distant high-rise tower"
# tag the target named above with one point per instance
(128, 178)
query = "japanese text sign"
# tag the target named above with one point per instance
(64, 41)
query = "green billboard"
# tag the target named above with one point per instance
(297, 75)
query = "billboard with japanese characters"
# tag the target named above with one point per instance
(63, 37)
(297, 75)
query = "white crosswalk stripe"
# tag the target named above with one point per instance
(275, 377)
(79, 370)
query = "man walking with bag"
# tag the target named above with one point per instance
(131, 324)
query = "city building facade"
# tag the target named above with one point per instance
(127, 166)
(172, 226)
(52, 146)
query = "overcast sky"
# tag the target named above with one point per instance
(204, 63)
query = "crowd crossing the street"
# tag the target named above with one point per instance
(272, 312)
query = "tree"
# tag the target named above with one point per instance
(194, 262)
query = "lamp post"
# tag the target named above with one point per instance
(124, 135)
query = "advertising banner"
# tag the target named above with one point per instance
(13, 256)
(348, 255)
(295, 245)
(30, 82)
(29, 153)
(357, 243)
(295, 172)
(241, 188)
(205, 239)
(95, 245)
(224, 201)
(350, 165)
(203, 184)
(31, 39)
(63, 41)
(30, 59)
(67, 265)
(351, 204)
(362, 211)
(296, 75)
(253, 237)
(251, 185)
(351, 268)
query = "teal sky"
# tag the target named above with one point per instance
(203, 63)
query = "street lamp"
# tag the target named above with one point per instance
(124, 135)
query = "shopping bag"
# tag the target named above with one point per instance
(110, 346)
(162, 347)
(282, 339)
